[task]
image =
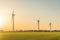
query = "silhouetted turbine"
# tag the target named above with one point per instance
(38, 24)
(50, 25)
(13, 20)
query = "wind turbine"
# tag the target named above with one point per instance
(38, 24)
(50, 25)
(13, 20)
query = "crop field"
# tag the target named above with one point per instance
(29, 35)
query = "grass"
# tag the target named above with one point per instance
(30, 36)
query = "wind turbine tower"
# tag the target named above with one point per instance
(13, 20)
(50, 25)
(38, 24)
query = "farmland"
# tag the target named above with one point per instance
(29, 35)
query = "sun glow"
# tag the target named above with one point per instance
(1, 21)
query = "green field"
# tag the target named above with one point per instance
(30, 36)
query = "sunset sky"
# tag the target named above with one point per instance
(27, 12)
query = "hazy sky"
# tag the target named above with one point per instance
(27, 12)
